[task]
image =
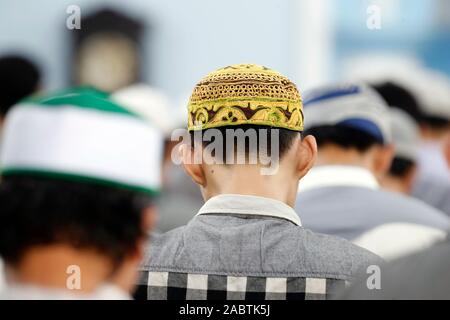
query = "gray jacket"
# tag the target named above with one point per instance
(433, 191)
(244, 247)
(349, 212)
(350, 205)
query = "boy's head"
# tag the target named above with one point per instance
(245, 124)
(400, 97)
(351, 125)
(40, 212)
(426, 101)
(425, 97)
(78, 172)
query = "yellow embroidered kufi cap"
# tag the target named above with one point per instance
(245, 94)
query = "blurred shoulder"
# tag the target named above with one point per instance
(423, 275)
(417, 207)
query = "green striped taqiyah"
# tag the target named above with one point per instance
(81, 135)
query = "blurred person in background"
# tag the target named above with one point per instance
(341, 195)
(180, 197)
(422, 276)
(426, 96)
(433, 182)
(79, 176)
(402, 172)
(247, 242)
(19, 78)
(433, 94)
(398, 96)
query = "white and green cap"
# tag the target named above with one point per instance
(81, 135)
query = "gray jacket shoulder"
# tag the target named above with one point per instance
(434, 192)
(419, 210)
(370, 207)
(278, 249)
(332, 249)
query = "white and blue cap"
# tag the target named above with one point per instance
(405, 134)
(355, 106)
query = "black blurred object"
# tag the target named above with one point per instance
(111, 41)
(19, 78)
(423, 276)
(343, 137)
(398, 96)
(400, 167)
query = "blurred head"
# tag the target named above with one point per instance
(154, 106)
(434, 97)
(245, 125)
(427, 107)
(150, 103)
(78, 179)
(19, 78)
(431, 90)
(399, 97)
(426, 99)
(108, 223)
(405, 136)
(351, 127)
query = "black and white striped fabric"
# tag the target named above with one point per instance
(185, 286)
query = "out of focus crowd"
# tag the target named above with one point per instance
(86, 173)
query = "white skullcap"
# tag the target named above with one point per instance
(150, 103)
(405, 134)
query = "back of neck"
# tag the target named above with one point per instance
(57, 266)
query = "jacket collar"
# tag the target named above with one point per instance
(338, 176)
(249, 205)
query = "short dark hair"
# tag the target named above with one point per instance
(400, 167)
(436, 122)
(19, 78)
(286, 138)
(400, 97)
(43, 211)
(342, 136)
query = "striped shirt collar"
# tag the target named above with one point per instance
(338, 176)
(249, 205)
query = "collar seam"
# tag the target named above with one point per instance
(249, 212)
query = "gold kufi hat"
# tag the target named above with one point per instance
(245, 94)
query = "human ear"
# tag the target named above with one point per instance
(383, 159)
(410, 179)
(447, 150)
(193, 168)
(306, 155)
